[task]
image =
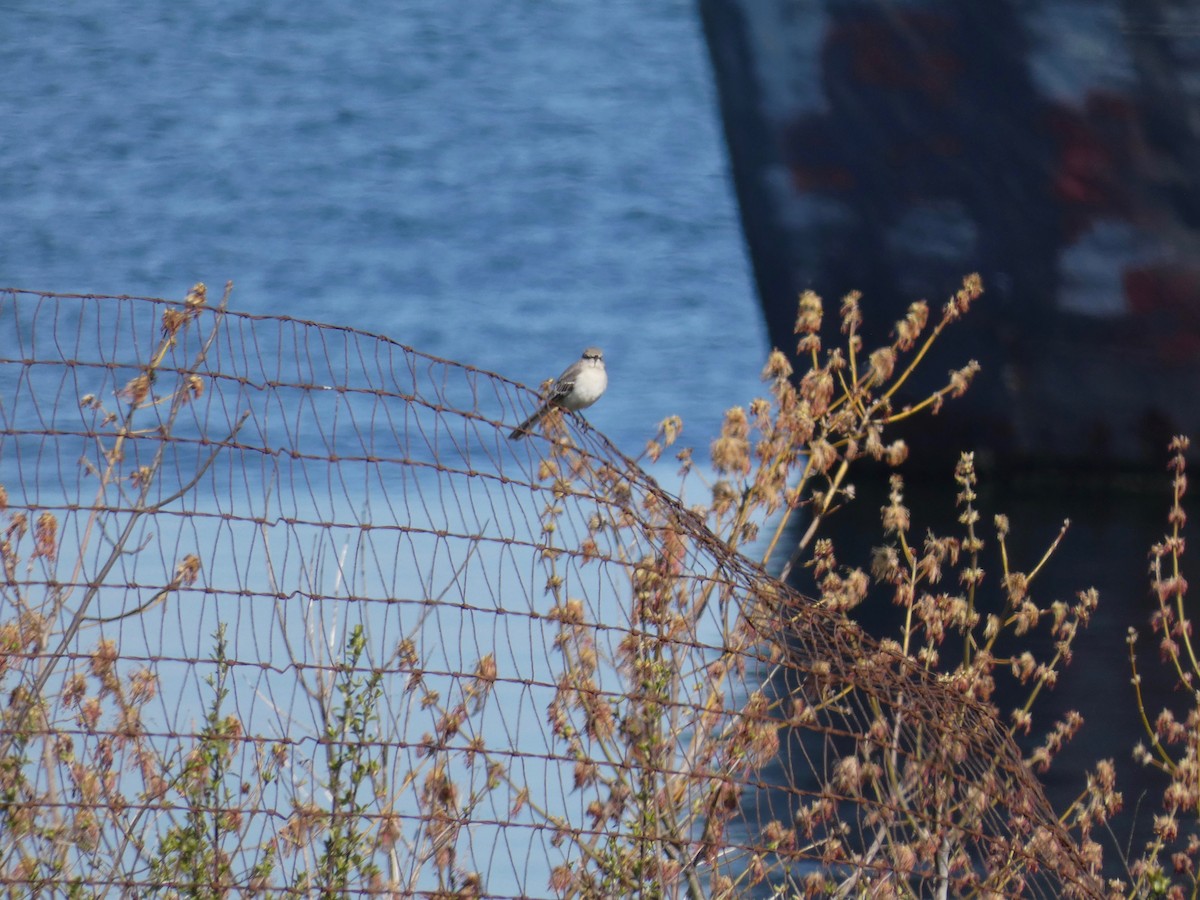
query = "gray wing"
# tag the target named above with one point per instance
(565, 383)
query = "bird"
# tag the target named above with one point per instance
(577, 388)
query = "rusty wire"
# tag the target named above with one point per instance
(202, 506)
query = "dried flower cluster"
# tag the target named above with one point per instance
(704, 730)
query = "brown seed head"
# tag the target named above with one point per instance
(808, 319)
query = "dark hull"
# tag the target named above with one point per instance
(892, 147)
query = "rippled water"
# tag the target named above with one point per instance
(494, 183)
(500, 184)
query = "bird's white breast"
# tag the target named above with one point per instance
(589, 385)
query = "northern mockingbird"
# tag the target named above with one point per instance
(577, 388)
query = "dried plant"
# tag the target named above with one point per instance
(509, 669)
(1167, 865)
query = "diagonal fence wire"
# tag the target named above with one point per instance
(283, 611)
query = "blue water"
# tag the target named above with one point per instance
(498, 184)
(493, 183)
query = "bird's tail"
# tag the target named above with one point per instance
(523, 429)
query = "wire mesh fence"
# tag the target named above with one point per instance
(284, 611)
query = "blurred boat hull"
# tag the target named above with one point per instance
(893, 147)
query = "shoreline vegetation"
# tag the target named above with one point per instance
(692, 728)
